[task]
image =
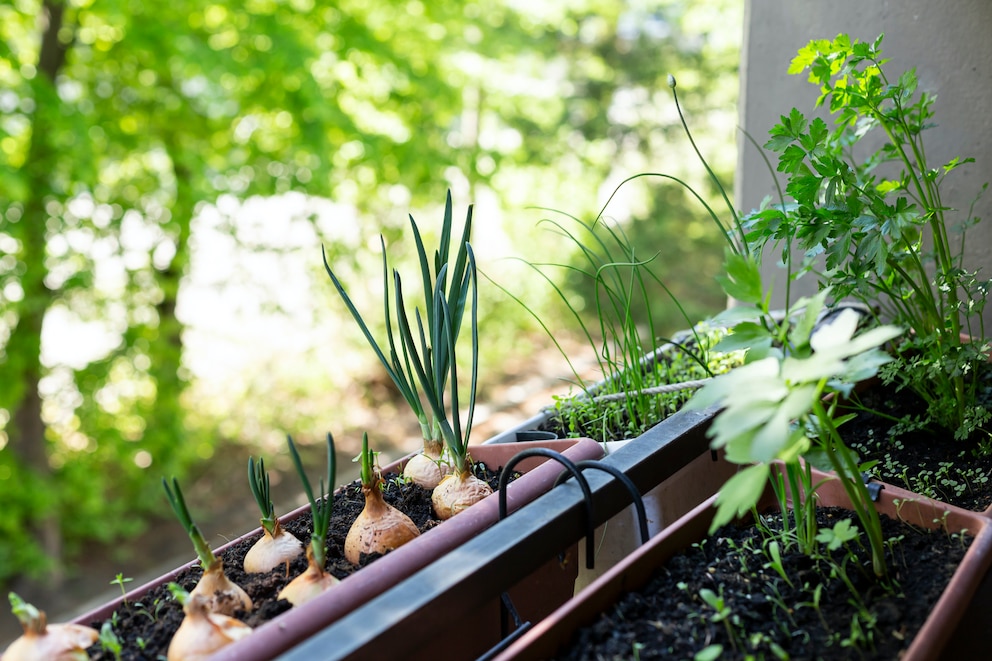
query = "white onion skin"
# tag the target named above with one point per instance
(273, 549)
(422, 471)
(203, 632)
(223, 595)
(51, 642)
(312, 582)
(427, 469)
(458, 492)
(379, 528)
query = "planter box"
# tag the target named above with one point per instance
(298, 623)
(467, 581)
(665, 503)
(948, 631)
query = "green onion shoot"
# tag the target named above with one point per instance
(223, 595)
(315, 579)
(42, 641)
(435, 365)
(276, 546)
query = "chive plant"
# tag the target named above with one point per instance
(432, 354)
(277, 546)
(380, 527)
(428, 467)
(223, 595)
(634, 392)
(41, 641)
(315, 579)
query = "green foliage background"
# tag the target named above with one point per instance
(123, 122)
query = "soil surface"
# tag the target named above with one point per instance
(762, 613)
(925, 461)
(145, 629)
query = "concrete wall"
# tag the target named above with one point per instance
(949, 42)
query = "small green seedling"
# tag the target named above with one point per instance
(109, 640)
(836, 537)
(120, 580)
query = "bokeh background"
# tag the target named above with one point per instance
(171, 171)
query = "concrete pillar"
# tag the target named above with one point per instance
(946, 41)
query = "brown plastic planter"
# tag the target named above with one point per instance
(298, 623)
(947, 632)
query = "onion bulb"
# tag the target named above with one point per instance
(312, 582)
(315, 579)
(457, 492)
(222, 595)
(379, 528)
(47, 642)
(427, 468)
(203, 632)
(276, 547)
(272, 550)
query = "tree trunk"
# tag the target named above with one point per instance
(166, 420)
(27, 428)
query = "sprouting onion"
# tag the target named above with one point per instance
(223, 595)
(315, 579)
(380, 527)
(435, 365)
(201, 632)
(277, 546)
(428, 467)
(46, 642)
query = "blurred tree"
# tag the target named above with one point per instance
(121, 119)
(125, 117)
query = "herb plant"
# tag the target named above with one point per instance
(773, 406)
(632, 394)
(223, 595)
(380, 527)
(277, 546)
(315, 579)
(873, 225)
(119, 581)
(426, 469)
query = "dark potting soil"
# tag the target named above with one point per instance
(932, 463)
(145, 629)
(668, 618)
